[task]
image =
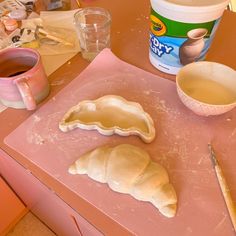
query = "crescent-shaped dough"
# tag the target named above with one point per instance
(129, 169)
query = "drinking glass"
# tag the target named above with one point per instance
(93, 29)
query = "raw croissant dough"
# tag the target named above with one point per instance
(129, 169)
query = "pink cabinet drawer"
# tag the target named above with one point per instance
(43, 202)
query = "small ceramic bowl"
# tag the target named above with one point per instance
(207, 88)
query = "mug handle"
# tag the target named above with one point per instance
(26, 94)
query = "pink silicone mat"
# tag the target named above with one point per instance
(180, 146)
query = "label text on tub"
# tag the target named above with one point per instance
(159, 48)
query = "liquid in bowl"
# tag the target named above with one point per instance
(207, 88)
(208, 91)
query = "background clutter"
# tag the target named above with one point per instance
(51, 33)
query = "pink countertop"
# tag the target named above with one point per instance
(180, 146)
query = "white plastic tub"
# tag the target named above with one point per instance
(181, 31)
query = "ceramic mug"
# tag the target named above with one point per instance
(23, 82)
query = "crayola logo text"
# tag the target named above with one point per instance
(158, 28)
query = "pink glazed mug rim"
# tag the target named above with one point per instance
(28, 92)
(33, 69)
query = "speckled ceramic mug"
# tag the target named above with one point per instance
(23, 82)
